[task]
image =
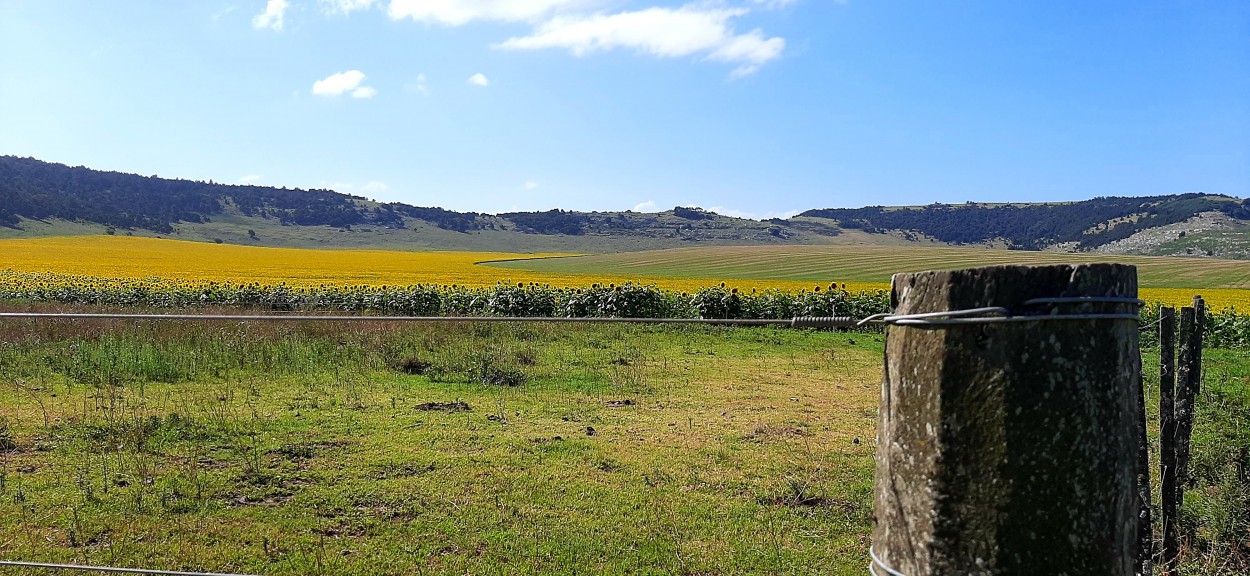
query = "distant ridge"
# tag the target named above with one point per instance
(1087, 224)
(44, 198)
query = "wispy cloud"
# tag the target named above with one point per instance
(272, 17)
(773, 4)
(374, 188)
(419, 86)
(460, 12)
(345, 6)
(479, 79)
(648, 206)
(530, 185)
(222, 14)
(703, 28)
(250, 178)
(662, 32)
(349, 82)
(752, 215)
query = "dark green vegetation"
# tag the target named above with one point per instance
(625, 301)
(41, 198)
(1225, 328)
(42, 190)
(421, 449)
(1088, 224)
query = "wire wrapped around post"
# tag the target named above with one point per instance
(1007, 441)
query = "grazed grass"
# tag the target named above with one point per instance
(283, 449)
(347, 449)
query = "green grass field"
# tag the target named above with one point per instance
(314, 449)
(875, 264)
(480, 449)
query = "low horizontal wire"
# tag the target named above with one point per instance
(453, 319)
(110, 569)
(1086, 299)
(907, 321)
(1001, 315)
(984, 315)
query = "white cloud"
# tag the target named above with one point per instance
(224, 11)
(250, 178)
(345, 6)
(374, 187)
(419, 86)
(648, 206)
(479, 79)
(459, 12)
(272, 17)
(530, 185)
(773, 4)
(752, 215)
(663, 32)
(348, 82)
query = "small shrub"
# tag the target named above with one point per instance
(7, 442)
(490, 372)
(412, 366)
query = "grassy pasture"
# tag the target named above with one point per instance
(305, 449)
(342, 449)
(874, 264)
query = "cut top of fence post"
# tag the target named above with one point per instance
(1009, 448)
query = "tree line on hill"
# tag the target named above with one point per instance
(38, 190)
(1089, 223)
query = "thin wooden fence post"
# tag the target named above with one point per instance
(1184, 401)
(1145, 524)
(1167, 438)
(1200, 327)
(1010, 447)
(1195, 383)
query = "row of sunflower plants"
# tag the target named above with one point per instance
(628, 300)
(1227, 328)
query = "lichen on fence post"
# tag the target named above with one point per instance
(1009, 448)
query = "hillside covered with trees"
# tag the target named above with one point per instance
(1088, 224)
(40, 190)
(34, 193)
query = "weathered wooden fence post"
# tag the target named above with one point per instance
(1184, 401)
(1167, 438)
(1009, 446)
(1189, 383)
(1145, 524)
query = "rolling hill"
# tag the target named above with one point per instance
(40, 198)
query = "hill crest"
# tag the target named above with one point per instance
(40, 198)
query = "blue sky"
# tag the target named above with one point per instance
(751, 107)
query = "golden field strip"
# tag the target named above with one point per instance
(95, 259)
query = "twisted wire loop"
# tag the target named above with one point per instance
(1001, 315)
(110, 569)
(878, 563)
